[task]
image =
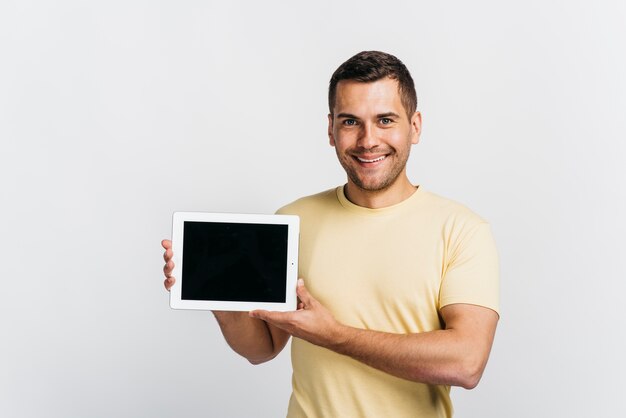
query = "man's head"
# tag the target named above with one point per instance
(373, 124)
(369, 66)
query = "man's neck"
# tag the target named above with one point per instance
(401, 190)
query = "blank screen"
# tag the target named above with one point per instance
(236, 262)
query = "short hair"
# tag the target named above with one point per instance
(369, 66)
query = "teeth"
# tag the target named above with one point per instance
(363, 160)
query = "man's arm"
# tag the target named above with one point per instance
(252, 338)
(456, 355)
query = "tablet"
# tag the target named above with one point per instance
(234, 262)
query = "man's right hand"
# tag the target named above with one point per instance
(169, 264)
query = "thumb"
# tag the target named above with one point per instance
(304, 294)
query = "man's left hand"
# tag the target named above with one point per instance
(311, 322)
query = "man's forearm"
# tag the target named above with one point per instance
(456, 355)
(436, 357)
(249, 337)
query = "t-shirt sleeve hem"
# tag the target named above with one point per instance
(490, 305)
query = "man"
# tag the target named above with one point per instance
(401, 292)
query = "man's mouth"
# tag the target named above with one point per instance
(372, 160)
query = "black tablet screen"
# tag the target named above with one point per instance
(234, 262)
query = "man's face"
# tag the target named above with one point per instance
(372, 133)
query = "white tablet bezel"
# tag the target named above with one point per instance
(293, 236)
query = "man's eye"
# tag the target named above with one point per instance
(349, 122)
(385, 121)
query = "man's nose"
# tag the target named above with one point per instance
(368, 136)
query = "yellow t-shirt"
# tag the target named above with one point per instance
(389, 270)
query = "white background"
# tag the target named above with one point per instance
(115, 114)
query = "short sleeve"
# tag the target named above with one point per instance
(472, 272)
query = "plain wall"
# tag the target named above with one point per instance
(115, 114)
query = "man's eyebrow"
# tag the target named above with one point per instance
(346, 116)
(379, 116)
(387, 115)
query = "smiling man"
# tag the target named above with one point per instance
(399, 288)
(372, 134)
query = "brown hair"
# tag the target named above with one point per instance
(369, 66)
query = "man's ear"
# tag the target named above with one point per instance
(331, 137)
(416, 127)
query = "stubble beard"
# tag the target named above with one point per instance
(374, 185)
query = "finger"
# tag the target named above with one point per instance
(167, 268)
(168, 283)
(166, 243)
(274, 317)
(304, 294)
(258, 314)
(168, 254)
